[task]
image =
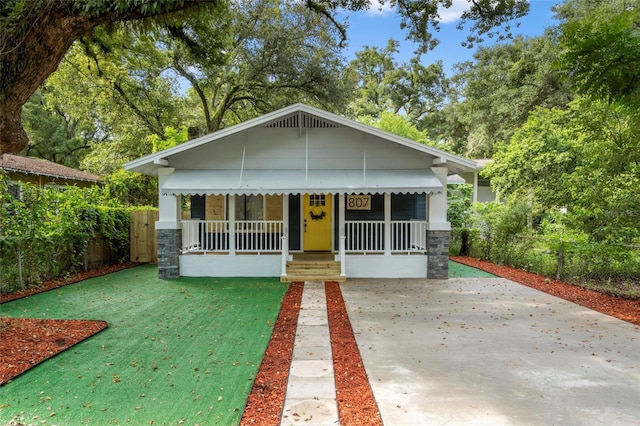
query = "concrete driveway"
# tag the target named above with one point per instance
(488, 351)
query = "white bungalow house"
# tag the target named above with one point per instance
(272, 190)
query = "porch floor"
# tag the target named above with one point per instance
(316, 266)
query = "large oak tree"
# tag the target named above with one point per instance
(36, 34)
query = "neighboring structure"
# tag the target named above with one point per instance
(482, 191)
(42, 173)
(302, 180)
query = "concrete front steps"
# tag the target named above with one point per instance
(313, 267)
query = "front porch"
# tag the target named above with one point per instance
(222, 248)
(264, 237)
(302, 180)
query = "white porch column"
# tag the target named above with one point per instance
(437, 213)
(168, 229)
(341, 228)
(285, 224)
(168, 205)
(475, 186)
(387, 223)
(341, 214)
(285, 215)
(232, 225)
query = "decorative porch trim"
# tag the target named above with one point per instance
(285, 182)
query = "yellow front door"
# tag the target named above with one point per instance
(317, 222)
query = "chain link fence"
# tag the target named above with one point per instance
(610, 268)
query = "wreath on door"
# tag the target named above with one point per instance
(317, 213)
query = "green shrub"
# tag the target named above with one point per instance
(46, 233)
(503, 234)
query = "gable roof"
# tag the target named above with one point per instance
(36, 166)
(300, 116)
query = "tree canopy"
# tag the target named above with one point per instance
(500, 87)
(584, 160)
(132, 84)
(601, 48)
(382, 85)
(36, 34)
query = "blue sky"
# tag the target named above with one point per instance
(375, 28)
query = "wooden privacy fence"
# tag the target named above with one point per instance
(97, 254)
(144, 248)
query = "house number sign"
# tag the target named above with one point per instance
(358, 202)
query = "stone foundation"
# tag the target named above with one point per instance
(438, 254)
(169, 244)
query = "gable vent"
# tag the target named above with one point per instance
(302, 121)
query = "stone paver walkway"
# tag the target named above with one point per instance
(311, 393)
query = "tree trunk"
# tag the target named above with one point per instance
(13, 138)
(32, 47)
(28, 59)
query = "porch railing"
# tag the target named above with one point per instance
(218, 235)
(366, 236)
(408, 236)
(258, 236)
(205, 235)
(265, 236)
(369, 236)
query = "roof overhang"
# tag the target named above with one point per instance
(255, 182)
(38, 167)
(303, 115)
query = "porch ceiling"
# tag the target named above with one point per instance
(253, 182)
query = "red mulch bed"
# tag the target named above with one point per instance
(71, 279)
(356, 404)
(25, 343)
(624, 309)
(266, 400)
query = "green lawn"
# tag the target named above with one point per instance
(458, 270)
(184, 350)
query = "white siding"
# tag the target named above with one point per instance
(244, 265)
(386, 266)
(281, 149)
